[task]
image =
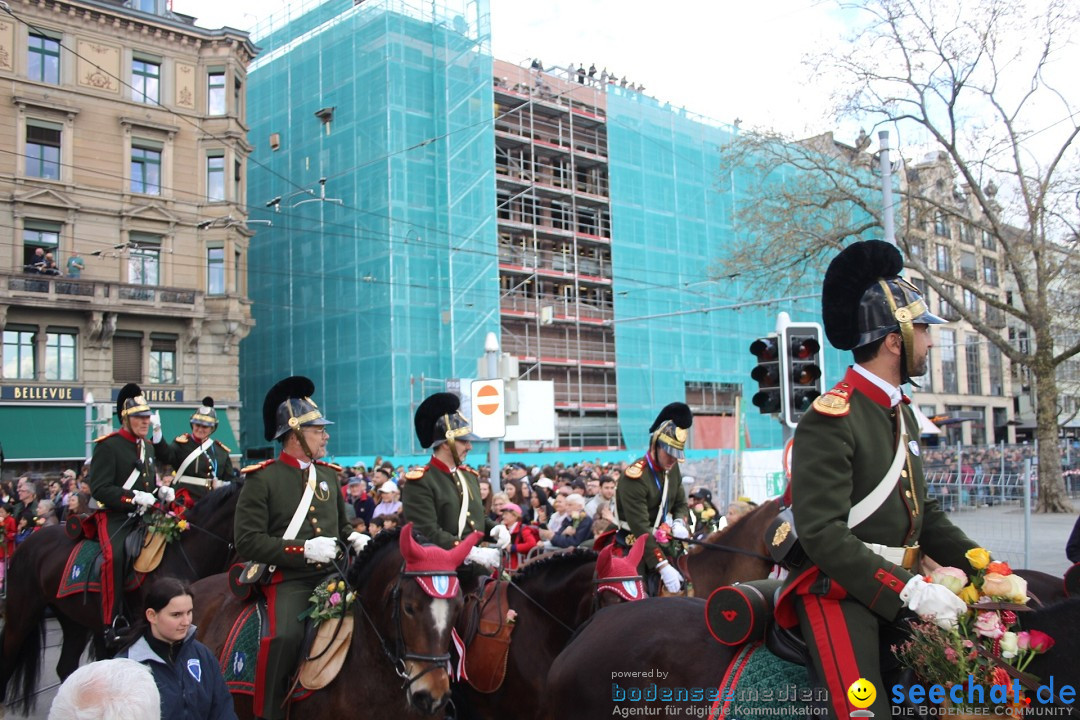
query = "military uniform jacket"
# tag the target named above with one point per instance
(115, 456)
(842, 449)
(271, 493)
(637, 501)
(201, 468)
(431, 501)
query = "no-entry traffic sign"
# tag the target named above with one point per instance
(489, 408)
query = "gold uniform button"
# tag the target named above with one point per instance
(908, 493)
(903, 473)
(318, 529)
(312, 508)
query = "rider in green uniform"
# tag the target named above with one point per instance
(201, 464)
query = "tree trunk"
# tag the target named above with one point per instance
(1052, 497)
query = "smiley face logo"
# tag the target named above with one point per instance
(862, 693)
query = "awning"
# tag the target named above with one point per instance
(177, 420)
(925, 426)
(37, 432)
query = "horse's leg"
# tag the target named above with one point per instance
(75, 637)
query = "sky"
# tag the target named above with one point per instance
(723, 60)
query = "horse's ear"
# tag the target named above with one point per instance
(406, 543)
(603, 562)
(458, 553)
(637, 551)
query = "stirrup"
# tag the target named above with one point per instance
(115, 633)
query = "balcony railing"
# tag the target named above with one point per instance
(61, 291)
(561, 308)
(587, 351)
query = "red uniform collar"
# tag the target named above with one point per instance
(289, 460)
(441, 465)
(869, 389)
(128, 435)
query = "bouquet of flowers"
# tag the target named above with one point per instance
(330, 600)
(988, 634)
(168, 525)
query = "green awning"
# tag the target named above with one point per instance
(176, 421)
(35, 432)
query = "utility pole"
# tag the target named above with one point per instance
(886, 189)
(491, 354)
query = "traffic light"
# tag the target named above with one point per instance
(767, 375)
(801, 357)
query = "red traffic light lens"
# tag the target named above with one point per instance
(804, 348)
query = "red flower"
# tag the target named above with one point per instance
(1001, 568)
(1040, 641)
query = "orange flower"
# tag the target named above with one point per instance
(1001, 568)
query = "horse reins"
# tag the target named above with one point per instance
(727, 548)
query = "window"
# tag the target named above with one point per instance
(43, 150)
(215, 176)
(971, 302)
(948, 361)
(146, 80)
(215, 271)
(944, 262)
(215, 92)
(150, 6)
(997, 385)
(127, 357)
(162, 360)
(19, 354)
(990, 275)
(941, 225)
(145, 168)
(967, 266)
(44, 61)
(920, 285)
(238, 175)
(238, 95)
(989, 241)
(60, 355)
(945, 308)
(967, 234)
(917, 248)
(144, 257)
(236, 273)
(974, 368)
(39, 234)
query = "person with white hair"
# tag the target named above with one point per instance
(576, 526)
(118, 689)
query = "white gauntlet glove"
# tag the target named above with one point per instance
(488, 557)
(501, 536)
(680, 531)
(671, 577)
(933, 602)
(166, 494)
(155, 427)
(320, 549)
(143, 499)
(359, 541)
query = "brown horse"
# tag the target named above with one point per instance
(629, 652)
(398, 663)
(37, 569)
(735, 554)
(551, 596)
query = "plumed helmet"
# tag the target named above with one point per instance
(289, 406)
(438, 420)
(863, 299)
(131, 403)
(670, 428)
(205, 415)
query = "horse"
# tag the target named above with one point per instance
(735, 554)
(550, 597)
(36, 571)
(398, 662)
(682, 666)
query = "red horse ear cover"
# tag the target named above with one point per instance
(439, 579)
(619, 575)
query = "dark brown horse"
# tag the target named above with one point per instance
(397, 665)
(36, 571)
(628, 652)
(735, 554)
(551, 597)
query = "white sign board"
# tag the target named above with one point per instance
(488, 400)
(536, 412)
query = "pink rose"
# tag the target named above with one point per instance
(335, 599)
(1040, 642)
(988, 624)
(997, 586)
(1023, 640)
(950, 577)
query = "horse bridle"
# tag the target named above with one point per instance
(399, 653)
(597, 581)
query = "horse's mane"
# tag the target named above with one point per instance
(213, 501)
(744, 522)
(362, 565)
(566, 561)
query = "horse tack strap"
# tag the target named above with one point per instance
(485, 660)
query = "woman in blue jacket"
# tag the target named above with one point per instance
(187, 674)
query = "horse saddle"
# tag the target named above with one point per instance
(82, 572)
(325, 648)
(489, 644)
(239, 655)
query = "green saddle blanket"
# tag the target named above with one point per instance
(240, 654)
(82, 573)
(757, 683)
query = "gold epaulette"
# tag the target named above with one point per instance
(182, 438)
(332, 466)
(634, 471)
(468, 469)
(257, 466)
(836, 402)
(416, 473)
(103, 437)
(223, 446)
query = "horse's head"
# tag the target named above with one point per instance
(419, 607)
(617, 578)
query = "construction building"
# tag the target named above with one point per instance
(123, 200)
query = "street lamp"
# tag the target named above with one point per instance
(491, 354)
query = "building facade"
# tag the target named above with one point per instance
(123, 205)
